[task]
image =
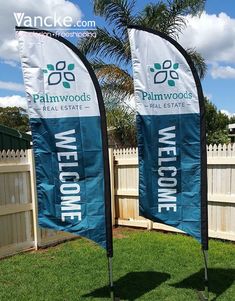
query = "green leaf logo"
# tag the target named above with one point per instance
(176, 66)
(66, 85)
(171, 83)
(50, 67)
(70, 67)
(157, 66)
(165, 72)
(59, 73)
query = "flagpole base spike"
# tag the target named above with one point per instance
(111, 286)
(201, 296)
(113, 297)
(205, 294)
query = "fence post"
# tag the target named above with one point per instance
(111, 168)
(34, 198)
(149, 225)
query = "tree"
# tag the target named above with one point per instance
(232, 119)
(216, 124)
(110, 53)
(14, 117)
(121, 127)
(120, 120)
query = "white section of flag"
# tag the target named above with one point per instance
(148, 49)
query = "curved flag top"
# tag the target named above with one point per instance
(69, 137)
(171, 134)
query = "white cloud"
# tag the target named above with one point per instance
(10, 63)
(212, 35)
(222, 72)
(8, 48)
(229, 114)
(8, 43)
(12, 86)
(13, 101)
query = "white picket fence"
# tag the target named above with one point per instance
(18, 209)
(221, 191)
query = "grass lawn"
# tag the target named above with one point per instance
(148, 266)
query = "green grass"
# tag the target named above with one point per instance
(147, 266)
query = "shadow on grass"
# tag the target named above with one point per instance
(132, 286)
(219, 281)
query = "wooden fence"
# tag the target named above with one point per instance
(221, 191)
(18, 214)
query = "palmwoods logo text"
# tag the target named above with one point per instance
(166, 76)
(61, 75)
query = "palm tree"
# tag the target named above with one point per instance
(121, 129)
(110, 52)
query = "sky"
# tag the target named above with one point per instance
(212, 35)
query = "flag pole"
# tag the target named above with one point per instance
(108, 210)
(107, 192)
(205, 256)
(204, 296)
(110, 269)
(107, 188)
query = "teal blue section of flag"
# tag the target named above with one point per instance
(170, 172)
(88, 156)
